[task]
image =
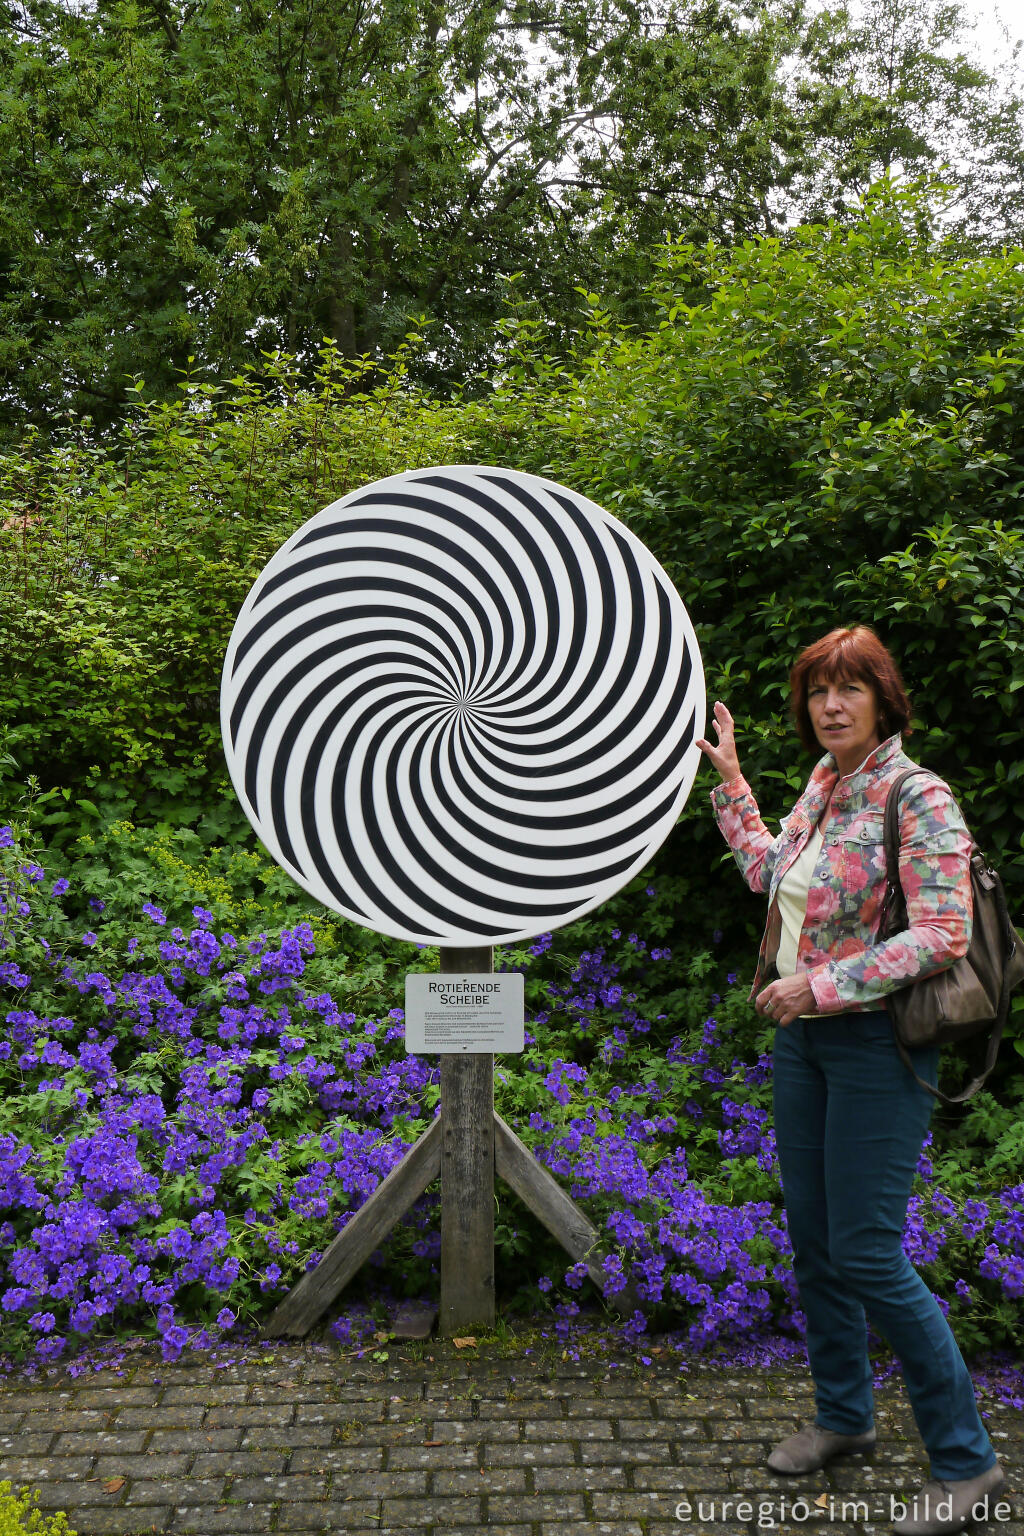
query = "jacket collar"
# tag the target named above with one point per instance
(882, 754)
(826, 775)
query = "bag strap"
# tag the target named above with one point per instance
(894, 917)
(894, 907)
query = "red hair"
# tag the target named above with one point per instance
(854, 655)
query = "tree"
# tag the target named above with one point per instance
(891, 87)
(220, 178)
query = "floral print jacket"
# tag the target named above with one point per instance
(848, 969)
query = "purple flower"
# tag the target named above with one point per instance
(88, 939)
(60, 887)
(154, 913)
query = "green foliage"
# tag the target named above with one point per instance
(203, 179)
(20, 1517)
(123, 571)
(822, 431)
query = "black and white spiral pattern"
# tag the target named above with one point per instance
(460, 705)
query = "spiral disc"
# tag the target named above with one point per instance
(460, 705)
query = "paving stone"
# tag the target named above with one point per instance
(462, 1430)
(476, 1480)
(686, 1479)
(537, 1506)
(749, 1454)
(189, 1490)
(408, 1514)
(697, 1407)
(409, 1457)
(612, 1452)
(578, 1429)
(329, 1517)
(59, 1421)
(173, 1416)
(120, 1522)
(378, 1434)
(283, 1436)
(611, 1505)
(285, 1392)
(240, 1463)
(594, 1528)
(41, 1469)
(230, 1415)
(203, 1520)
(577, 1479)
(149, 1465)
(713, 1528)
(278, 1489)
(343, 1410)
(417, 1411)
(357, 1391)
(627, 1385)
(750, 1429)
(112, 1397)
(653, 1429)
(502, 1529)
(589, 1408)
(525, 1408)
(28, 1444)
(561, 1453)
(379, 1485)
(191, 1440)
(55, 1493)
(30, 1399)
(207, 1395)
(348, 1458)
(100, 1442)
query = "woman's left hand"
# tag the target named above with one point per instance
(786, 999)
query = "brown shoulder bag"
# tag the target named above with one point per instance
(972, 996)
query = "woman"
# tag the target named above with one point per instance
(849, 1118)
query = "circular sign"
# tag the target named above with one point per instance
(460, 705)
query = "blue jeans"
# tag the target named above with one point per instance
(849, 1124)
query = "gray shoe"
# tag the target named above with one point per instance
(941, 1507)
(812, 1447)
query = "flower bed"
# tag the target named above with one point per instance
(190, 1114)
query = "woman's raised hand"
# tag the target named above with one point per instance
(723, 755)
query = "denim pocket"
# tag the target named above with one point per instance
(874, 1028)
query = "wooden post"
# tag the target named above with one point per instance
(467, 1173)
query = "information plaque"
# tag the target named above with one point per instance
(466, 1013)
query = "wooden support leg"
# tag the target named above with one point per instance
(538, 1189)
(313, 1294)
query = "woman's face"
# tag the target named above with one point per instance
(845, 715)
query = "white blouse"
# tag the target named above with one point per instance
(792, 899)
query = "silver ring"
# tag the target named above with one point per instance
(769, 1005)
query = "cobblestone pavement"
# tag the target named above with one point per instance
(304, 1439)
